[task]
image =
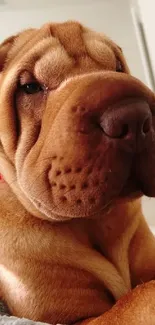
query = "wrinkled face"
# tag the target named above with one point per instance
(76, 126)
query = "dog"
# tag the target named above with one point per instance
(77, 153)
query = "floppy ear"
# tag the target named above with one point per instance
(6, 46)
(4, 50)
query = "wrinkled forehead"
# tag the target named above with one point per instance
(60, 47)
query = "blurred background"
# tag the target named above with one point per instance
(130, 23)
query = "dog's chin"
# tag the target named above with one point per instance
(131, 191)
(49, 214)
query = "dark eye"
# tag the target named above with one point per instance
(119, 66)
(31, 88)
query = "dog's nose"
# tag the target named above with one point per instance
(127, 120)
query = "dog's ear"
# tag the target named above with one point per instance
(7, 45)
(4, 50)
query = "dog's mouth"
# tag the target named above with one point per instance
(88, 193)
(135, 186)
(132, 189)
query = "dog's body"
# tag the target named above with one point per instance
(78, 259)
(73, 238)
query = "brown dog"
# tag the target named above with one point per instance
(77, 153)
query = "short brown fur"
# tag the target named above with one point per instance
(71, 245)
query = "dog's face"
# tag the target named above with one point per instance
(76, 129)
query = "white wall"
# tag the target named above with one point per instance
(109, 16)
(147, 11)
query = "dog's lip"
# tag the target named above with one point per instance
(132, 188)
(50, 214)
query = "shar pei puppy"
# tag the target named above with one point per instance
(77, 152)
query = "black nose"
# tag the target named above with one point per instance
(127, 120)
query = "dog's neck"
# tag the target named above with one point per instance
(90, 236)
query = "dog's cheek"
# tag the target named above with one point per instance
(29, 111)
(83, 175)
(30, 105)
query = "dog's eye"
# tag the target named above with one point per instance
(31, 88)
(119, 66)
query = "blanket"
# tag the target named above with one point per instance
(7, 319)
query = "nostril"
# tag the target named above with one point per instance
(127, 120)
(124, 131)
(146, 126)
(115, 130)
